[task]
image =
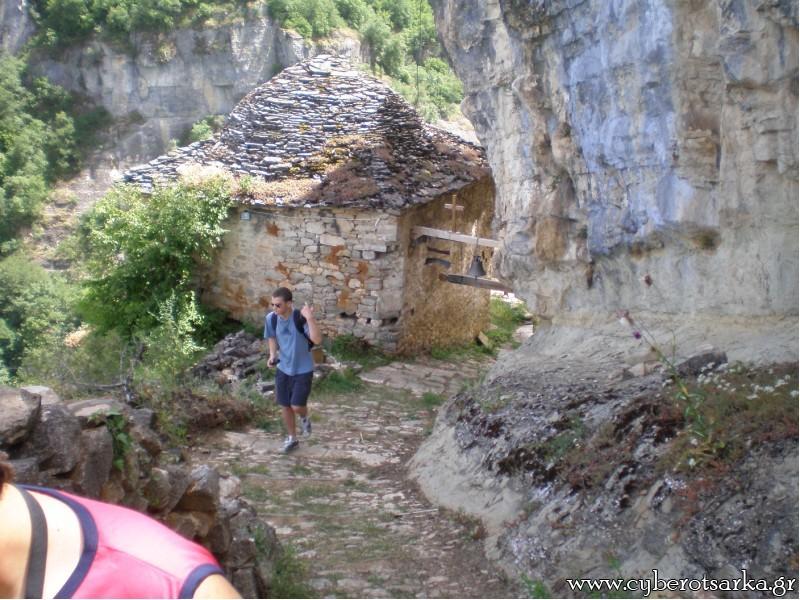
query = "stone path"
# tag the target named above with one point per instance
(434, 376)
(343, 502)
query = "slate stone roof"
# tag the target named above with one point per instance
(323, 133)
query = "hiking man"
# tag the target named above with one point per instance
(294, 332)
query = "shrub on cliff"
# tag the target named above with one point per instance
(43, 129)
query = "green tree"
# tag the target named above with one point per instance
(392, 56)
(375, 33)
(69, 19)
(354, 12)
(141, 249)
(399, 12)
(38, 144)
(35, 309)
(310, 18)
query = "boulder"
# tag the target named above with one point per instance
(157, 490)
(19, 412)
(203, 491)
(26, 470)
(706, 360)
(145, 437)
(191, 524)
(244, 580)
(47, 395)
(94, 412)
(55, 440)
(94, 467)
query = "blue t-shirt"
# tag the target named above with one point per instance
(295, 355)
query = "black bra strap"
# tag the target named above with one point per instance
(37, 557)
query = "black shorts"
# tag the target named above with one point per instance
(292, 390)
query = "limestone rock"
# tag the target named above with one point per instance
(47, 395)
(158, 85)
(94, 467)
(613, 170)
(26, 470)
(157, 490)
(203, 491)
(93, 412)
(56, 439)
(20, 411)
(17, 25)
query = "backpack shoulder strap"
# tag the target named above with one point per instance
(273, 322)
(300, 323)
(37, 556)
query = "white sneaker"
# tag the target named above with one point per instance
(289, 444)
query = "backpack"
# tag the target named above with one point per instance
(299, 323)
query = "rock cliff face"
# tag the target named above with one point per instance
(16, 25)
(161, 84)
(632, 138)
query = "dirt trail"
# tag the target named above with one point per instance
(343, 502)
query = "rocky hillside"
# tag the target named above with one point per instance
(641, 138)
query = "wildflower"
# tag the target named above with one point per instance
(637, 335)
(793, 393)
(692, 462)
(625, 317)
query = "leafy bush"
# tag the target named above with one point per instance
(354, 12)
(35, 309)
(310, 18)
(205, 129)
(42, 131)
(140, 250)
(431, 87)
(80, 361)
(170, 347)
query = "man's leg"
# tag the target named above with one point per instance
(283, 394)
(288, 421)
(300, 392)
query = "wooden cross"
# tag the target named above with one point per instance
(455, 209)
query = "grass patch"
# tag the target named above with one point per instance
(431, 400)
(245, 470)
(290, 576)
(306, 492)
(255, 492)
(741, 406)
(351, 483)
(300, 470)
(337, 382)
(535, 588)
(450, 353)
(352, 349)
(505, 318)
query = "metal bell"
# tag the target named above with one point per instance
(476, 268)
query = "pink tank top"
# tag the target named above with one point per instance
(129, 555)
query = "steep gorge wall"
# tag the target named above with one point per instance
(160, 84)
(641, 137)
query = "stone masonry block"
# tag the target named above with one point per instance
(327, 239)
